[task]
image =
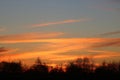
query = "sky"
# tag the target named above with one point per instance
(58, 31)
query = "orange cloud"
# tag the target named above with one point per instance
(50, 38)
(2, 49)
(27, 37)
(5, 51)
(58, 22)
(114, 42)
(49, 56)
(64, 45)
(56, 49)
(68, 44)
(105, 54)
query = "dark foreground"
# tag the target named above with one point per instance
(80, 69)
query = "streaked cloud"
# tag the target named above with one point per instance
(114, 1)
(5, 51)
(28, 37)
(2, 29)
(2, 49)
(106, 8)
(50, 56)
(108, 43)
(105, 54)
(58, 22)
(54, 47)
(110, 33)
(62, 45)
(110, 9)
(49, 37)
(113, 8)
(63, 42)
(44, 55)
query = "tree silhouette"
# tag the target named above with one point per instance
(79, 69)
(39, 66)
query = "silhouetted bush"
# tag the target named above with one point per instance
(11, 67)
(40, 67)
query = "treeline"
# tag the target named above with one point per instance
(80, 69)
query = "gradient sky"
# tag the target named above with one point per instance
(59, 30)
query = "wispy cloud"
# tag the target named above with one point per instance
(58, 22)
(45, 37)
(111, 9)
(2, 49)
(2, 29)
(51, 38)
(65, 43)
(109, 43)
(44, 55)
(106, 8)
(5, 51)
(57, 46)
(28, 37)
(50, 56)
(114, 1)
(103, 54)
(110, 33)
(54, 47)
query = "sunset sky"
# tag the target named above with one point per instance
(58, 31)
